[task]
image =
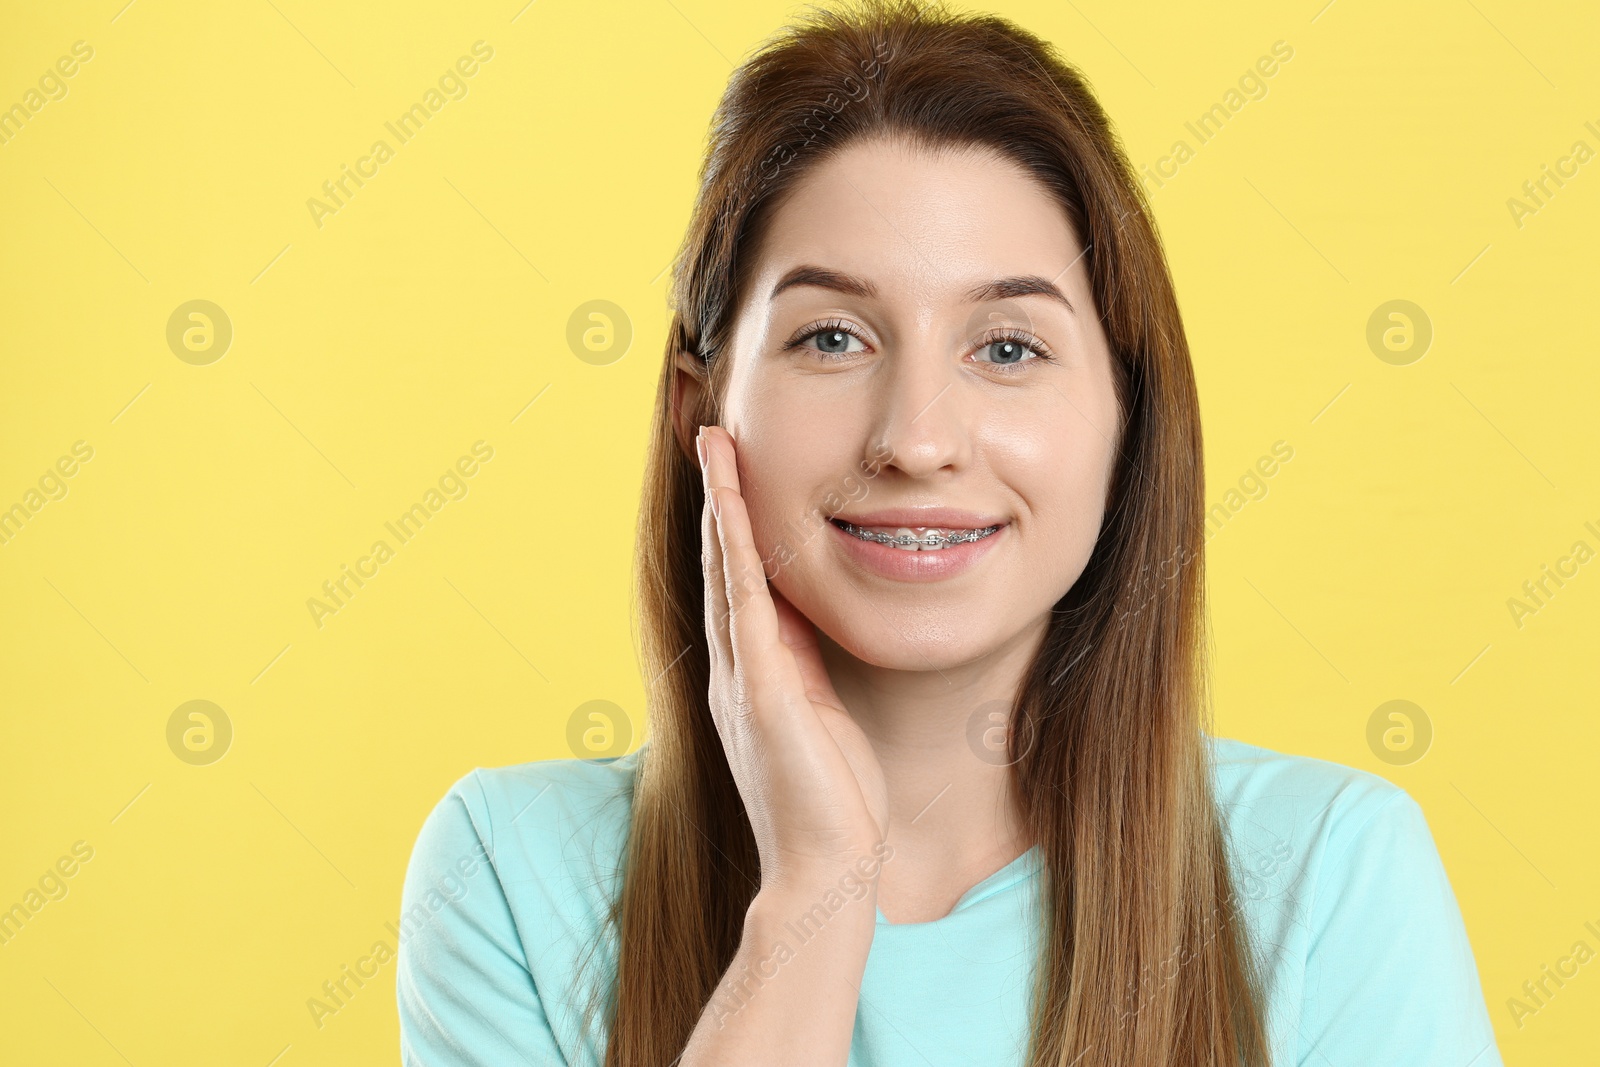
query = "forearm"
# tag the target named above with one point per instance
(790, 995)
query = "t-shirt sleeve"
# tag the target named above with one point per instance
(466, 995)
(1390, 976)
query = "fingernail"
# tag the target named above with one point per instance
(716, 505)
(700, 446)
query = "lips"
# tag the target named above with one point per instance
(888, 549)
(942, 518)
(916, 539)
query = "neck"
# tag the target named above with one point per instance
(939, 735)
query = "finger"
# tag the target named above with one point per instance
(752, 617)
(724, 458)
(742, 581)
(716, 606)
(714, 471)
(800, 634)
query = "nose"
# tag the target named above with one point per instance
(923, 420)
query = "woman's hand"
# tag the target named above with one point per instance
(811, 783)
(814, 793)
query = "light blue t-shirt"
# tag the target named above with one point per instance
(1365, 954)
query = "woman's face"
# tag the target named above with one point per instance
(906, 343)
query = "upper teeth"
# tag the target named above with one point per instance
(917, 538)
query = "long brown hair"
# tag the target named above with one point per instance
(1144, 960)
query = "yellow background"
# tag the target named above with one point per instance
(372, 351)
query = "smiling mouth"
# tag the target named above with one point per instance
(914, 538)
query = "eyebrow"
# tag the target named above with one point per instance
(850, 285)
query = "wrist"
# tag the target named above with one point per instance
(802, 924)
(852, 875)
(803, 952)
(799, 906)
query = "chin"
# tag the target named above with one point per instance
(899, 656)
(900, 639)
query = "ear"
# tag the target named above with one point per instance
(688, 394)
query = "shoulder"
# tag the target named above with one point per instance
(546, 839)
(1301, 808)
(1247, 773)
(507, 895)
(1366, 955)
(537, 816)
(1306, 834)
(551, 795)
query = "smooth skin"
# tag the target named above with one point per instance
(847, 701)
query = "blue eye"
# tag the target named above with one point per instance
(1009, 349)
(1005, 351)
(834, 342)
(1006, 348)
(832, 339)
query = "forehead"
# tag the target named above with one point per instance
(921, 223)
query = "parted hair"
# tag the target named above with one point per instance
(1145, 959)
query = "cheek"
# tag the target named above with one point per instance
(1055, 443)
(1060, 465)
(783, 471)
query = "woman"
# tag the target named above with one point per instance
(927, 779)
